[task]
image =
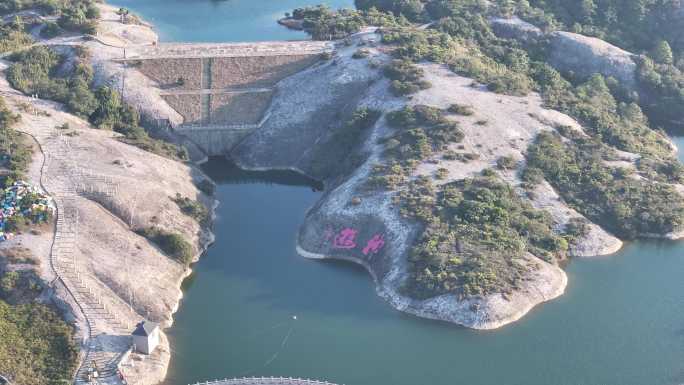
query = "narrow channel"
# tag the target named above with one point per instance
(621, 320)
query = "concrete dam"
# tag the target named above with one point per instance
(222, 91)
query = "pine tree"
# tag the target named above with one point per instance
(662, 53)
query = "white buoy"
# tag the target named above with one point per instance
(294, 317)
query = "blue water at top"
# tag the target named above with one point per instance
(222, 20)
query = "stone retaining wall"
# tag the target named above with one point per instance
(239, 108)
(166, 72)
(188, 105)
(256, 71)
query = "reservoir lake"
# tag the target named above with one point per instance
(620, 322)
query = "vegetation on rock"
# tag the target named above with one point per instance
(15, 151)
(476, 233)
(13, 36)
(172, 244)
(625, 205)
(193, 209)
(37, 347)
(40, 71)
(470, 244)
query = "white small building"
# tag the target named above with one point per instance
(146, 337)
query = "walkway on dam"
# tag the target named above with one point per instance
(202, 50)
(265, 381)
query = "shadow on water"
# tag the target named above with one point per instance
(257, 221)
(223, 171)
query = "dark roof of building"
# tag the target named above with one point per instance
(145, 328)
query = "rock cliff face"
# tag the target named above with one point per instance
(354, 223)
(515, 28)
(571, 52)
(586, 56)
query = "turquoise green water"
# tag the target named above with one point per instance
(222, 20)
(620, 322)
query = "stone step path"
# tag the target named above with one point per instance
(107, 336)
(205, 108)
(207, 63)
(205, 98)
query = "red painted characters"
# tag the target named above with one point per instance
(346, 239)
(374, 244)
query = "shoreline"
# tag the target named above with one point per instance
(389, 294)
(465, 316)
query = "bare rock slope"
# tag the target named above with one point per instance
(107, 190)
(304, 117)
(572, 52)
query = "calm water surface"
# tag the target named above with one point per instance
(620, 322)
(222, 20)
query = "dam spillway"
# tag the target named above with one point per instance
(221, 91)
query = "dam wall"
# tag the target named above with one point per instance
(256, 71)
(167, 71)
(222, 91)
(228, 108)
(240, 108)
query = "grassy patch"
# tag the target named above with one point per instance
(172, 244)
(37, 346)
(15, 150)
(193, 209)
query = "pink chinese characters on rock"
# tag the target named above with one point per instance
(345, 239)
(374, 244)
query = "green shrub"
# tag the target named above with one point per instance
(172, 244)
(459, 109)
(79, 16)
(322, 23)
(34, 71)
(506, 163)
(406, 78)
(193, 209)
(475, 233)
(51, 30)
(8, 282)
(422, 130)
(627, 207)
(15, 151)
(442, 173)
(13, 36)
(37, 347)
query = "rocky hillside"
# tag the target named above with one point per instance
(380, 227)
(462, 172)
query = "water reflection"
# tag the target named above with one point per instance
(225, 172)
